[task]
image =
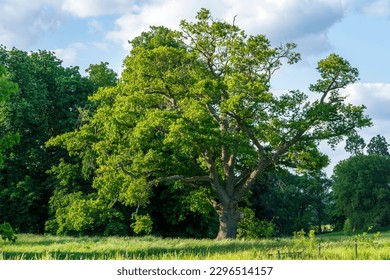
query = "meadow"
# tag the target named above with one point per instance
(333, 246)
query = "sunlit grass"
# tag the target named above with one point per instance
(332, 247)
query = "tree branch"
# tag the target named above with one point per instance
(332, 86)
(213, 113)
(126, 171)
(221, 193)
(184, 179)
(252, 137)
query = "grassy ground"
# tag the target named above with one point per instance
(332, 247)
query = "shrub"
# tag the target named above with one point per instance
(142, 224)
(302, 241)
(251, 228)
(7, 232)
(77, 214)
(364, 237)
(348, 227)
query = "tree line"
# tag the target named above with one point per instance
(190, 141)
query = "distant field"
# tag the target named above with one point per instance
(332, 247)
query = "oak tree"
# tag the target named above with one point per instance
(196, 106)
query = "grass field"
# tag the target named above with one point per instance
(333, 246)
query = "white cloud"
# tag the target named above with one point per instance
(282, 20)
(93, 8)
(101, 45)
(24, 22)
(69, 54)
(95, 26)
(376, 8)
(286, 20)
(375, 96)
(167, 13)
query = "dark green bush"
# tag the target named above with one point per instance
(7, 232)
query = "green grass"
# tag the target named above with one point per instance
(333, 247)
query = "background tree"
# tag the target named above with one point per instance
(195, 106)
(361, 190)
(378, 145)
(45, 105)
(101, 75)
(293, 202)
(6, 89)
(355, 144)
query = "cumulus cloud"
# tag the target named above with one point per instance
(284, 20)
(167, 13)
(69, 54)
(375, 96)
(93, 8)
(24, 22)
(95, 26)
(375, 8)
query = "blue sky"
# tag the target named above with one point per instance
(84, 32)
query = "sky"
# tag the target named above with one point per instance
(84, 32)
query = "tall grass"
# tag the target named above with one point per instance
(35, 247)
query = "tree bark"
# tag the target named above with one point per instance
(229, 216)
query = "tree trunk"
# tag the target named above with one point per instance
(229, 216)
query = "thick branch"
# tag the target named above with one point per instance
(252, 137)
(244, 186)
(156, 181)
(184, 179)
(263, 164)
(283, 148)
(221, 193)
(213, 113)
(228, 170)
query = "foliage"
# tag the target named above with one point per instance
(355, 144)
(196, 106)
(7, 232)
(293, 201)
(378, 145)
(348, 229)
(101, 76)
(46, 104)
(250, 227)
(365, 237)
(78, 214)
(303, 241)
(361, 190)
(142, 224)
(6, 89)
(179, 211)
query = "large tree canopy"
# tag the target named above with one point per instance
(195, 106)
